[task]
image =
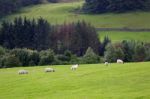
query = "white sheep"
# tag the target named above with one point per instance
(22, 72)
(49, 70)
(106, 63)
(74, 67)
(120, 61)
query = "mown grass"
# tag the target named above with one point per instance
(117, 36)
(95, 81)
(64, 12)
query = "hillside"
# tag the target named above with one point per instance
(117, 36)
(63, 12)
(117, 81)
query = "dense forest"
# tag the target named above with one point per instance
(117, 6)
(40, 35)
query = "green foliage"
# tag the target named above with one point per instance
(128, 51)
(23, 55)
(2, 51)
(22, 31)
(102, 6)
(90, 57)
(140, 52)
(11, 61)
(34, 58)
(109, 53)
(114, 52)
(147, 48)
(46, 57)
(75, 37)
(105, 42)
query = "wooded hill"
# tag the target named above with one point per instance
(102, 6)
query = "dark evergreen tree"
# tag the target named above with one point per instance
(41, 36)
(105, 42)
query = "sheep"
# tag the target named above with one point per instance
(22, 72)
(106, 63)
(49, 70)
(74, 67)
(120, 61)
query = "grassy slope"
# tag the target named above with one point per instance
(62, 12)
(118, 81)
(116, 36)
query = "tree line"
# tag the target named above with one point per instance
(117, 6)
(27, 57)
(33, 42)
(129, 51)
(40, 35)
(10, 6)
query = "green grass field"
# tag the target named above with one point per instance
(63, 12)
(117, 81)
(117, 36)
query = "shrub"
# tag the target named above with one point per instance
(34, 58)
(2, 51)
(90, 56)
(46, 57)
(128, 49)
(61, 59)
(11, 61)
(147, 48)
(114, 52)
(23, 55)
(140, 52)
(109, 53)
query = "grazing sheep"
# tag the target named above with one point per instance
(120, 61)
(74, 67)
(49, 70)
(106, 63)
(22, 72)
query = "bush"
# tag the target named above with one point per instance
(2, 51)
(128, 49)
(23, 55)
(147, 50)
(11, 61)
(90, 57)
(140, 52)
(46, 57)
(109, 53)
(114, 52)
(74, 59)
(34, 58)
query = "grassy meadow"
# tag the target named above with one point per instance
(64, 12)
(94, 81)
(117, 36)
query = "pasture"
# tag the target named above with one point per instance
(94, 81)
(117, 36)
(64, 12)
